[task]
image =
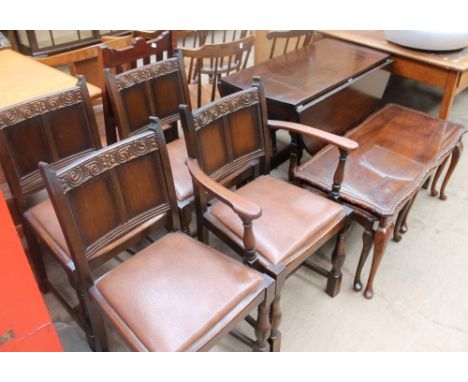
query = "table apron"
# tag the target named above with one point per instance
(419, 71)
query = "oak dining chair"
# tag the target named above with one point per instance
(157, 90)
(58, 128)
(141, 52)
(176, 294)
(273, 225)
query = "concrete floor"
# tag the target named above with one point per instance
(421, 291)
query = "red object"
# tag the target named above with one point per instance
(25, 323)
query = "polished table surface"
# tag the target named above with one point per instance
(23, 78)
(445, 70)
(398, 148)
(456, 60)
(296, 78)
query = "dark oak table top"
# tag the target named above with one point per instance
(398, 148)
(298, 77)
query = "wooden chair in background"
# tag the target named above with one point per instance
(141, 52)
(156, 90)
(213, 61)
(58, 128)
(177, 294)
(297, 38)
(228, 144)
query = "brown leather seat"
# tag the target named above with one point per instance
(291, 217)
(177, 152)
(43, 220)
(174, 291)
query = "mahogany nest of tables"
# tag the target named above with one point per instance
(399, 149)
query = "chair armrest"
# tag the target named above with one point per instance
(340, 142)
(245, 209)
(241, 206)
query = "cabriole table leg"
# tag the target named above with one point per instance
(381, 238)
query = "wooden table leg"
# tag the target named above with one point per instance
(453, 163)
(399, 222)
(404, 225)
(381, 238)
(434, 191)
(367, 240)
(449, 94)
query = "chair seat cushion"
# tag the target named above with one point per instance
(175, 290)
(291, 217)
(43, 220)
(177, 153)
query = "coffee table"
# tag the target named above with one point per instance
(399, 149)
(313, 86)
(445, 70)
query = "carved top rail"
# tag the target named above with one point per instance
(214, 111)
(87, 169)
(147, 72)
(31, 109)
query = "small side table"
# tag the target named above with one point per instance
(399, 149)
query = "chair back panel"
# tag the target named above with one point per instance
(113, 191)
(57, 128)
(229, 134)
(152, 90)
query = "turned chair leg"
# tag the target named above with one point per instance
(263, 328)
(36, 259)
(85, 317)
(275, 317)
(335, 276)
(456, 153)
(98, 328)
(367, 241)
(185, 219)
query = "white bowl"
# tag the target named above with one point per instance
(430, 39)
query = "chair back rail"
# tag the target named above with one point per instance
(216, 60)
(297, 38)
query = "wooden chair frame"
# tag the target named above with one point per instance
(22, 187)
(99, 165)
(288, 36)
(250, 166)
(225, 58)
(116, 83)
(120, 60)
